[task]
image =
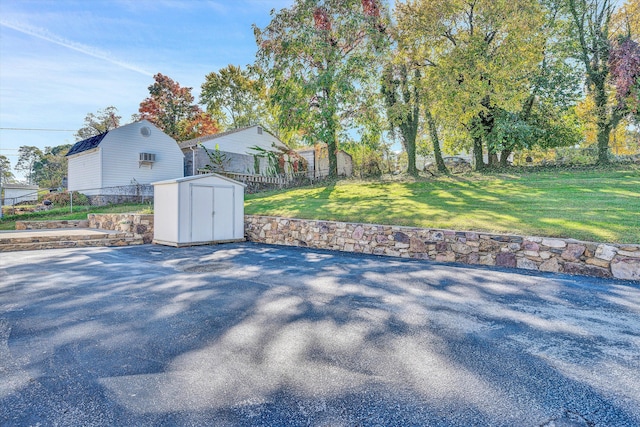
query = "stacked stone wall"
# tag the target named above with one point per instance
(47, 225)
(524, 252)
(137, 226)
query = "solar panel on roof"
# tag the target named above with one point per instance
(86, 144)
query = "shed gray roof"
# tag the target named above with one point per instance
(198, 177)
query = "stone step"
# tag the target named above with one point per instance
(62, 238)
(61, 244)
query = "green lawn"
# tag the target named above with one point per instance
(593, 205)
(8, 222)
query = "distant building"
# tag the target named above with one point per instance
(18, 193)
(239, 151)
(318, 159)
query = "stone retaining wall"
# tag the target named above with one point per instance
(531, 253)
(47, 225)
(138, 226)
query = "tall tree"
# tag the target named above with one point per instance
(591, 28)
(6, 175)
(482, 53)
(95, 124)
(400, 91)
(317, 56)
(233, 97)
(51, 168)
(545, 118)
(626, 20)
(28, 156)
(171, 108)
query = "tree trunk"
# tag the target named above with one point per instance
(603, 123)
(409, 132)
(411, 159)
(504, 157)
(331, 134)
(332, 152)
(477, 153)
(433, 132)
(493, 159)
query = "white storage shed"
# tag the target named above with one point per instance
(198, 210)
(17, 193)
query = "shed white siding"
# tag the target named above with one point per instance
(15, 193)
(198, 210)
(85, 172)
(345, 164)
(166, 204)
(310, 157)
(121, 150)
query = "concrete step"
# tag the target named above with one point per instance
(62, 238)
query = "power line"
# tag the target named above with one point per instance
(41, 130)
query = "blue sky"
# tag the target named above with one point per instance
(60, 60)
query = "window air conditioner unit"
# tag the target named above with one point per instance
(147, 159)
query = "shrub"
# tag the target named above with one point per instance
(64, 199)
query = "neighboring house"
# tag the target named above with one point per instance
(234, 152)
(318, 159)
(18, 193)
(123, 162)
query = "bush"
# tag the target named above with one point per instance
(64, 199)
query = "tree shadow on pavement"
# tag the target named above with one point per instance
(248, 334)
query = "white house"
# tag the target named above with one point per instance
(17, 193)
(318, 160)
(236, 152)
(123, 162)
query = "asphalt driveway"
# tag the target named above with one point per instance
(249, 334)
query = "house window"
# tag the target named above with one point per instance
(259, 130)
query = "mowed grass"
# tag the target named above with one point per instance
(8, 222)
(601, 205)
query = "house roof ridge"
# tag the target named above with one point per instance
(195, 141)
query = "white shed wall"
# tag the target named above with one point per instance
(18, 195)
(309, 156)
(345, 164)
(120, 159)
(319, 168)
(166, 213)
(85, 172)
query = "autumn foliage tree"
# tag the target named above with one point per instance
(317, 58)
(624, 65)
(171, 108)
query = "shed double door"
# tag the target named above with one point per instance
(212, 213)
